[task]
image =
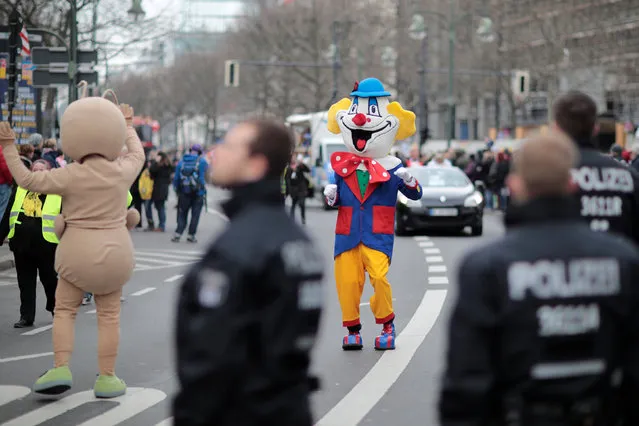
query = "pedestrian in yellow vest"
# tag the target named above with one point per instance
(28, 223)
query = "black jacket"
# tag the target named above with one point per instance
(543, 318)
(296, 181)
(248, 316)
(608, 193)
(161, 175)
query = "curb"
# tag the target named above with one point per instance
(6, 264)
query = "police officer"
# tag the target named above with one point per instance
(545, 329)
(608, 190)
(248, 314)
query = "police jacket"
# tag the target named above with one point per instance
(545, 325)
(608, 193)
(247, 319)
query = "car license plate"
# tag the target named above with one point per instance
(443, 212)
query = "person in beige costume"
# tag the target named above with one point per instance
(95, 253)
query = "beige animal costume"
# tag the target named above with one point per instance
(95, 253)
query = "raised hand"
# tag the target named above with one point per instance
(127, 112)
(405, 175)
(7, 137)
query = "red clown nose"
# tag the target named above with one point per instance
(359, 119)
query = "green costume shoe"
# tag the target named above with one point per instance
(54, 382)
(109, 387)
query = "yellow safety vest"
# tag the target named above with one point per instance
(50, 209)
(129, 199)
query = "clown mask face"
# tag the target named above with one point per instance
(367, 127)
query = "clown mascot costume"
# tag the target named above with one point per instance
(367, 179)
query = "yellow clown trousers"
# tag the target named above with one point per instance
(350, 269)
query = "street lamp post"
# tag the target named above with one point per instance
(73, 51)
(134, 12)
(418, 31)
(452, 21)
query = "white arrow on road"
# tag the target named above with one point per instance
(134, 402)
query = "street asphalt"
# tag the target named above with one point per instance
(369, 388)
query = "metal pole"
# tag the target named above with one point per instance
(73, 50)
(423, 110)
(94, 34)
(498, 89)
(451, 72)
(335, 62)
(12, 78)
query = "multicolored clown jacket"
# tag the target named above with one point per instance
(366, 212)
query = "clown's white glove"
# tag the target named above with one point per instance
(405, 175)
(330, 192)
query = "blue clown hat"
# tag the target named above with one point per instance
(369, 88)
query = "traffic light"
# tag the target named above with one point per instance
(521, 85)
(231, 74)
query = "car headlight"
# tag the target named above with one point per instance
(407, 201)
(474, 200)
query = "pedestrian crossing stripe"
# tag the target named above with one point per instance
(133, 403)
(145, 260)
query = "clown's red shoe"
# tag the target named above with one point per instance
(352, 341)
(386, 340)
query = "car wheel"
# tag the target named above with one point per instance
(400, 229)
(477, 230)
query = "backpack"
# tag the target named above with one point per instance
(190, 177)
(145, 185)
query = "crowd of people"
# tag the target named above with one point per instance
(25, 222)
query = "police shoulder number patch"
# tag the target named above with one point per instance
(213, 287)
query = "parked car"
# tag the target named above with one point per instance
(450, 201)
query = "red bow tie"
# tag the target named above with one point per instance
(345, 163)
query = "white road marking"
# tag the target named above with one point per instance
(432, 251)
(155, 268)
(20, 358)
(421, 238)
(130, 405)
(141, 268)
(12, 393)
(146, 260)
(173, 278)
(143, 291)
(37, 330)
(169, 255)
(160, 261)
(434, 259)
(374, 385)
(427, 244)
(199, 254)
(166, 422)
(92, 311)
(437, 268)
(368, 303)
(438, 280)
(218, 214)
(134, 402)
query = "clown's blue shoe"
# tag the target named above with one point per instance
(352, 341)
(386, 340)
